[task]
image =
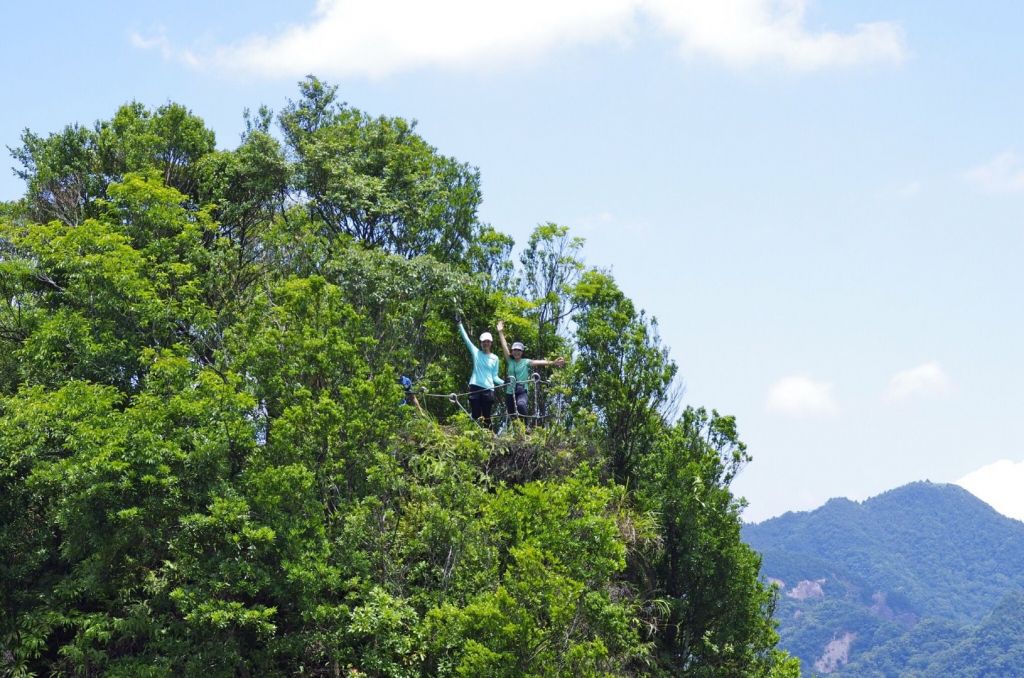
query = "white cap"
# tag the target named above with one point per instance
(486, 336)
(518, 346)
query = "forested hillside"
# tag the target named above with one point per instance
(208, 465)
(923, 580)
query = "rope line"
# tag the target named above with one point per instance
(456, 399)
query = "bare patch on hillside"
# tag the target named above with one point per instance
(836, 654)
(807, 589)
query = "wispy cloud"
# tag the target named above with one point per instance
(375, 39)
(160, 42)
(998, 485)
(924, 380)
(1002, 174)
(800, 396)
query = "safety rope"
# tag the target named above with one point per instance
(455, 398)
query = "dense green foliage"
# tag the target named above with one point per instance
(935, 649)
(912, 573)
(207, 466)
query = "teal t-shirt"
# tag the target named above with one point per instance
(485, 365)
(517, 372)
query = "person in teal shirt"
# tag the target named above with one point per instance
(484, 378)
(517, 370)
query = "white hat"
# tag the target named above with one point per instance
(518, 346)
(486, 336)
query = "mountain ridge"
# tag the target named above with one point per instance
(857, 576)
(908, 489)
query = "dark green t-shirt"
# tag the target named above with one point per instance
(519, 370)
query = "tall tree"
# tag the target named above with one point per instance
(718, 617)
(622, 373)
(62, 172)
(552, 265)
(376, 180)
(66, 172)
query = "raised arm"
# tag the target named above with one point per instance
(465, 338)
(501, 337)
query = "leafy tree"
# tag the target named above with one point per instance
(553, 611)
(207, 465)
(489, 254)
(718, 619)
(376, 180)
(622, 374)
(551, 265)
(247, 188)
(61, 171)
(67, 172)
(170, 140)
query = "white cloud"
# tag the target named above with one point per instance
(374, 39)
(746, 32)
(924, 380)
(801, 396)
(998, 485)
(1002, 174)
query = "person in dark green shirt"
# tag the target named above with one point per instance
(517, 373)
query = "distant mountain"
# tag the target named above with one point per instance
(896, 584)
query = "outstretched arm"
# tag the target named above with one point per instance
(501, 336)
(557, 362)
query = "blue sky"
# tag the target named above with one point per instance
(820, 201)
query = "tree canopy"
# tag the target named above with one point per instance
(207, 465)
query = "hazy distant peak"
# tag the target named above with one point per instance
(916, 566)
